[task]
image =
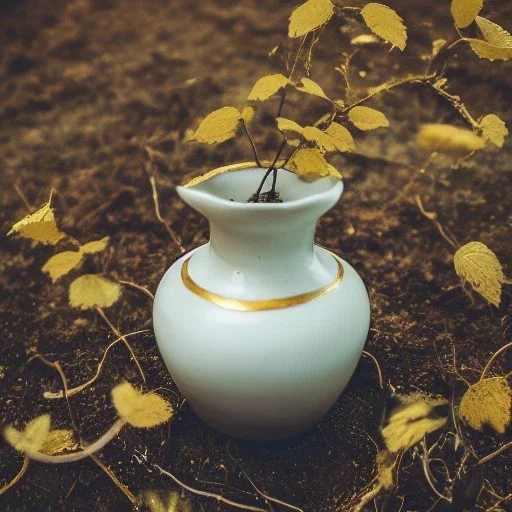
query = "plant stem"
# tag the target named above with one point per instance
(18, 476)
(256, 157)
(493, 357)
(271, 168)
(82, 454)
(497, 452)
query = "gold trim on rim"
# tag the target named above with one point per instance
(227, 168)
(258, 305)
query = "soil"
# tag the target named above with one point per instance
(85, 87)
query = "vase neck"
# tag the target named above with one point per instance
(263, 249)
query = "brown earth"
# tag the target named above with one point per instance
(85, 85)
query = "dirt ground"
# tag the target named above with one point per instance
(85, 85)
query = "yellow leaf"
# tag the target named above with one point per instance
(287, 125)
(58, 441)
(409, 422)
(309, 16)
(32, 438)
(476, 263)
(489, 401)
(267, 86)
(308, 164)
(385, 22)
(386, 463)
(142, 410)
(62, 263)
(465, 11)
(312, 87)
(39, 226)
(448, 139)
(341, 137)
(320, 138)
(497, 44)
(92, 290)
(95, 246)
(334, 172)
(366, 118)
(219, 126)
(247, 114)
(437, 45)
(493, 129)
(364, 39)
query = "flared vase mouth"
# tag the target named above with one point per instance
(231, 186)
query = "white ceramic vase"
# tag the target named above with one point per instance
(261, 329)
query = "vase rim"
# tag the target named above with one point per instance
(308, 192)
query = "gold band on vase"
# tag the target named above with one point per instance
(258, 305)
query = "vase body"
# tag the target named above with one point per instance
(261, 329)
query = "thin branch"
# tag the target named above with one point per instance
(381, 381)
(77, 389)
(123, 337)
(142, 289)
(175, 237)
(487, 458)
(426, 470)
(433, 217)
(114, 478)
(18, 476)
(23, 197)
(256, 157)
(493, 357)
(217, 497)
(82, 454)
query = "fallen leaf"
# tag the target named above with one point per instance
(39, 226)
(32, 438)
(219, 126)
(477, 264)
(95, 246)
(59, 440)
(92, 291)
(267, 86)
(465, 11)
(142, 410)
(386, 23)
(62, 263)
(410, 421)
(309, 16)
(488, 401)
(448, 139)
(366, 118)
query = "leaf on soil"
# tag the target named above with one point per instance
(488, 401)
(95, 246)
(92, 290)
(493, 129)
(309, 16)
(267, 86)
(62, 263)
(386, 463)
(341, 137)
(386, 23)
(39, 226)
(32, 438)
(446, 138)
(59, 440)
(366, 118)
(309, 164)
(247, 114)
(497, 44)
(311, 87)
(219, 126)
(465, 11)
(477, 264)
(141, 410)
(410, 421)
